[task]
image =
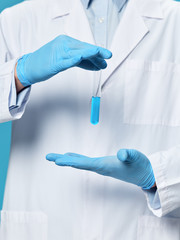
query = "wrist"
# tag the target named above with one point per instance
(19, 86)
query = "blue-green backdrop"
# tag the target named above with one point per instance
(5, 128)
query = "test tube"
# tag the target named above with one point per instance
(96, 99)
(95, 110)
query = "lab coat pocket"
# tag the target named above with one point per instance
(152, 93)
(150, 227)
(23, 226)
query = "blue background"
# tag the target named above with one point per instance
(8, 3)
(5, 128)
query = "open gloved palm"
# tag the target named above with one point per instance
(129, 165)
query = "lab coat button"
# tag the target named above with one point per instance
(101, 19)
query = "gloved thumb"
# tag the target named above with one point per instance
(127, 155)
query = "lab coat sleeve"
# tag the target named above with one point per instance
(7, 65)
(17, 101)
(12, 95)
(153, 198)
(166, 167)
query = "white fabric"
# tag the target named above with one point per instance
(140, 109)
(17, 101)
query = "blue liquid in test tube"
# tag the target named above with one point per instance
(95, 109)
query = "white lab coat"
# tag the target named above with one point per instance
(140, 109)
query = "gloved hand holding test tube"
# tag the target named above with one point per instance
(96, 98)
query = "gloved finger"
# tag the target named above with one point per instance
(127, 155)
(53, 156)
(103, 52)
(75, 155)
(88, 65)
(85, 53)
(68, 63)
(89, 52)
(99, 62)
(77, 161)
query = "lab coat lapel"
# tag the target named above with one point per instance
(130, 32)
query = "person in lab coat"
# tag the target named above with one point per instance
(137, 139)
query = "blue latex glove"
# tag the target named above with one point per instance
(58, 55)
(129, 165)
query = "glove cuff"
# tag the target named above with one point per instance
(150, 181)
(21, 70)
